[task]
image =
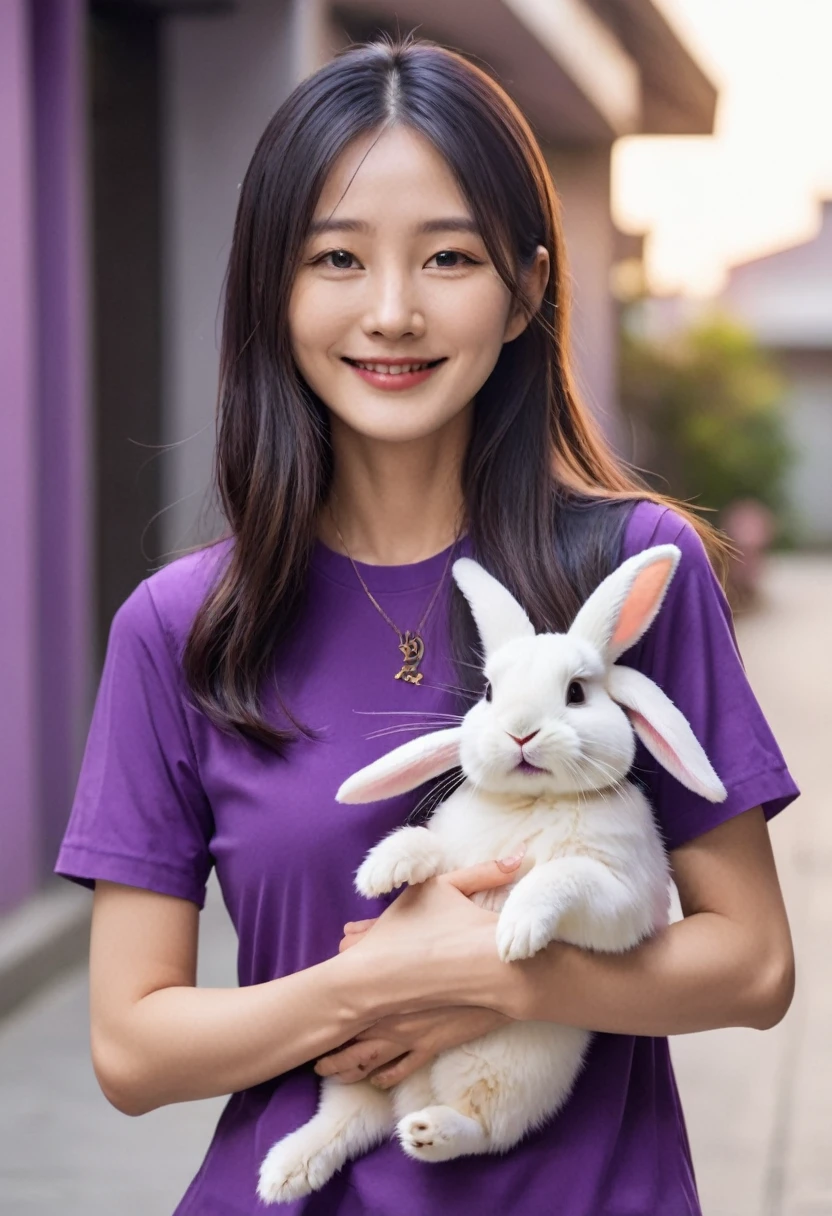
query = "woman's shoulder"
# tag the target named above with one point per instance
(168, 600)
(651, 523)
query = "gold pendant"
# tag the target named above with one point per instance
(412, 647)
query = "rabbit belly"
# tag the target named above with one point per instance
(615, 831)
(487, 1094)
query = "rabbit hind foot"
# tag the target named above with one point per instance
(440, 1133)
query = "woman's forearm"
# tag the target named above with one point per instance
(699, 973)
(180, 1044)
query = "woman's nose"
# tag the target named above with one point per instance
(394, 310)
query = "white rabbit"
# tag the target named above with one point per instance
(545, 757)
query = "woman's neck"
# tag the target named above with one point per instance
(393, 504)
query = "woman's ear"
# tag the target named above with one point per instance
(534, 281)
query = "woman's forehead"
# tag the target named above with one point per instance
(400, 167)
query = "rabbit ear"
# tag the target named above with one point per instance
(499, 617)
(625, 604)
(404, 768)
(665, 731)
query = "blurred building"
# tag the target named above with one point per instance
(786, 300)
(125, 130)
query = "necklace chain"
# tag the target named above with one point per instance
(411, 645)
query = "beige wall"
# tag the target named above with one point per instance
(582, 180)
(224, 76)
(809, 415)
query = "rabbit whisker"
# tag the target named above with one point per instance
(611, 774)
(574, 771)
(432, 713)
(442, 790)
(394, 730)
(603, 767)
(452, 778)
(466, 692)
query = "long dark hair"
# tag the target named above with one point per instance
(545, 497)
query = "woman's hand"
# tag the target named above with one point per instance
(434, 947)
(396, 1046)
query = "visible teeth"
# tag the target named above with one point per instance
(391, 370)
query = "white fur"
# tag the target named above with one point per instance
(595, 873)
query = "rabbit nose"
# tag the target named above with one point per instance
(525, 740)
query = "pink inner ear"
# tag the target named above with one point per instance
(400, 780)
(641, 602)
(665, 754)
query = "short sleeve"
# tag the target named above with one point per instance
(691, 652)
(140, 815)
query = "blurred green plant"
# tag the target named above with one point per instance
(706, 407)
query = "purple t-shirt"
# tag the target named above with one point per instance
(163, 795)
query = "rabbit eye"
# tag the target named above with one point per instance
(575, 693)
(488, 690)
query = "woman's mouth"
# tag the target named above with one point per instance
(396, 376)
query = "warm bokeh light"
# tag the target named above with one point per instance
(753, 188)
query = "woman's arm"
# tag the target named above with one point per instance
(158, 1039)
(728, 963)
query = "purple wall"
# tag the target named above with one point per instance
(64, 483)
(43, 433)
(18, 602)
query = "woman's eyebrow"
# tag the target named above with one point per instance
(453, 223)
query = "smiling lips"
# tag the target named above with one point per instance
(396, 374)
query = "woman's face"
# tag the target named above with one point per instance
(397, 272)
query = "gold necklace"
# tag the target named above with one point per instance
(410, 644)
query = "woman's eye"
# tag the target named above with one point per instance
(575, 693)
(342, 259)
(342, 254)
(488, 690)
(453, 253)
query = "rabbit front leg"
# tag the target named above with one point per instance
(408, 855)
(576, 900)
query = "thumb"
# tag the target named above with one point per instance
(485, 875)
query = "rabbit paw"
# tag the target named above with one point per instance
(521, 932)
(440, 1133)
(297, 1165)
(407, 856)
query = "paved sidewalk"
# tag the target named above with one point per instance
(63, 1148)
(759, 1106)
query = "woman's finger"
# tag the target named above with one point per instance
(485, 875)
(384, 1078)
(359, 926)
(358, 1060)
(364, 1054)
(349, 939)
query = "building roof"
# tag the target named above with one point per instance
(786, 297)
(679, 97)
(583, 71)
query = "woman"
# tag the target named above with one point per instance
(398, 211)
